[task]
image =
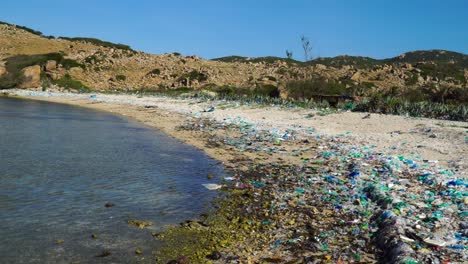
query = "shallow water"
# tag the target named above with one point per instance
(60, 164)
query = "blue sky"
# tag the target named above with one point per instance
(215, 28)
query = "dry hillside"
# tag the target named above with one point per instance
(104, 68)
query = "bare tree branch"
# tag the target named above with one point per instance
(307, 47)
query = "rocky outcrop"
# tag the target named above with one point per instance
(31, 77)
(50, 65)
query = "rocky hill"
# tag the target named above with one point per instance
(29, 59)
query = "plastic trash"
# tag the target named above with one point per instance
(212, 186)
(210, 109)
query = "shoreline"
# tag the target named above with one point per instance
(291, 142)
(432, 139)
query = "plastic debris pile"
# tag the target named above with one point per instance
(349, 203)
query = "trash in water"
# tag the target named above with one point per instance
(212, 186)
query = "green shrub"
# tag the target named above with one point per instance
(32, 31)
(368, 85)
(227, 90)
(18, 62)
(15, 64)
(306, 89)
(155, 72)
(267, 90)
(412, 80)
(99, 42)
(194, 75)
(8, 81)
(93, 59)
(69, 83)
(121, 77)
(442, 71)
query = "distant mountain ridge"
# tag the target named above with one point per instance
(441, 56)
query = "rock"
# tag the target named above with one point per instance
(2, 70)
(420, 79)
(407, 66)
(53, 75)
(74, 71)
(50, 65)
(320, 67)
(356, 77)
(140, 224)
(31, 77)
(283, 92)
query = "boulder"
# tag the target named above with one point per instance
(357, 76)
(50, 65)
(420, 79)
(283, 92)
(76, 71)
(53, 75)
(2, 70)
(31, 77)
(407, 66)
(320, 67)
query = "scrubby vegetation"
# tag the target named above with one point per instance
(99, 42)
(442, 71)
(69, 83)
(269, 59)
(317, 85)
(268, 90)
(457, 60)
(15, 64)
(397, 106)
(441, 56)
(121, 77)
(18, 62)
(32, 31)
(339, 61)
(92, 59)
(155, 72)
(194, 75)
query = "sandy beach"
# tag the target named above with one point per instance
(359, 151)
(438, 140)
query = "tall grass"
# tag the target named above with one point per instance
(397, 106)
